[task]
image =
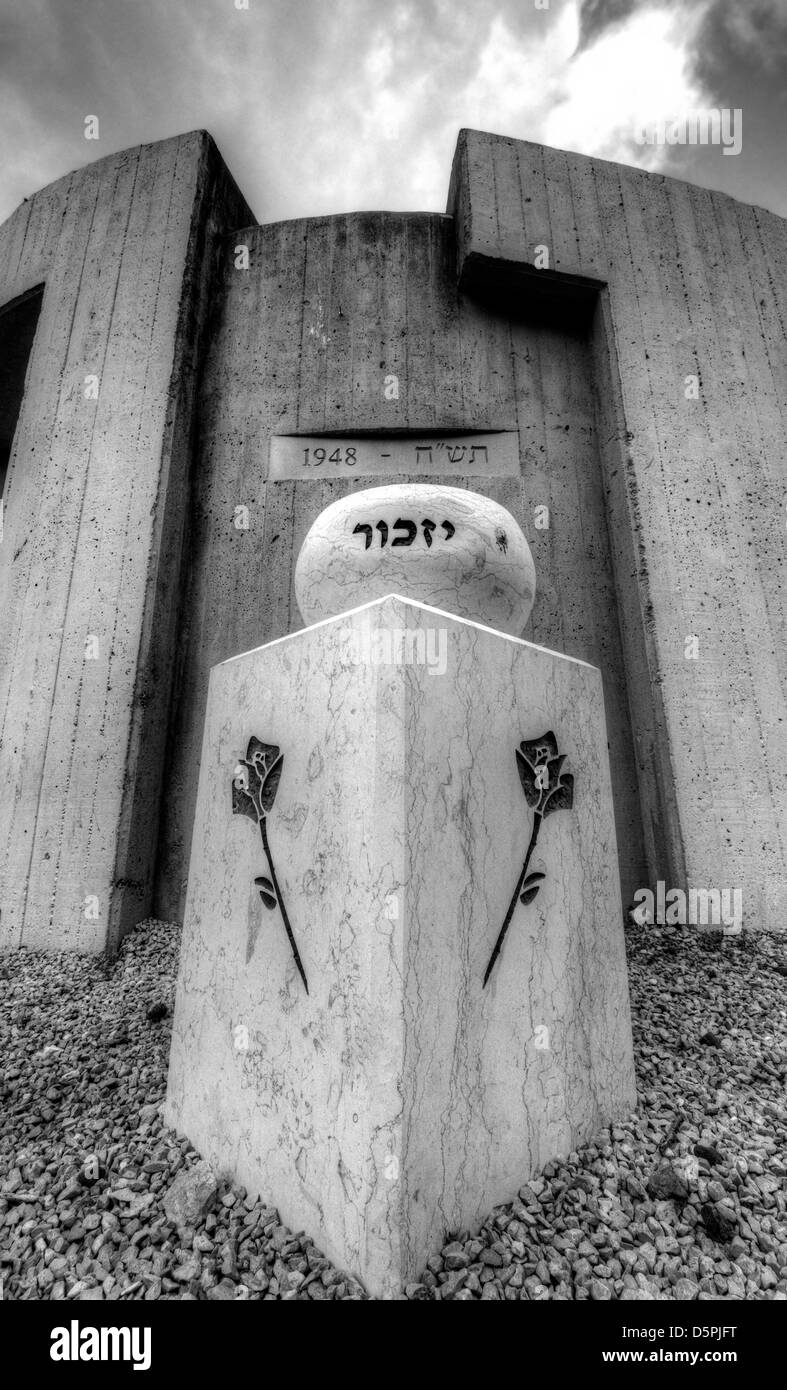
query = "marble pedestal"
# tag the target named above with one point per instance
(399, 1098)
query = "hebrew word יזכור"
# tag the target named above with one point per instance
(409, 528)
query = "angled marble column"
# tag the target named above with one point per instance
(369, 792)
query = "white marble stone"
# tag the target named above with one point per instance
(399, 1098)
(463, 553)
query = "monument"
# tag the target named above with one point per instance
(185, 387)
(402, 983)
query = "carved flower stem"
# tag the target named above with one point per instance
(507, 920)
(280, 899)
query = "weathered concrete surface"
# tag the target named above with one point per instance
(399, 1098)
(695, 287)
(96, 505)
(309, 336)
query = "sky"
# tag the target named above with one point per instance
(323, 106)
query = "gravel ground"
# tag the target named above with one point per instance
(684, 1201)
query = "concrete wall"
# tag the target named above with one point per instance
(667, 512)
(327, 309)
(96, 503)
(695, 285)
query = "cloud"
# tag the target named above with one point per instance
(730, 33)
(634, 72)
(598, 16)
(743, 43)
(735, 54)
(329, 105)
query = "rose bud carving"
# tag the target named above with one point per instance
(547, 788)
(255, 783)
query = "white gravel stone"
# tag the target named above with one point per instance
(86, 1164)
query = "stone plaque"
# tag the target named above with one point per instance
(491, 455)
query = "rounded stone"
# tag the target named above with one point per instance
(443, 546)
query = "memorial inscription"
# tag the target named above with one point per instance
(446, 546)
(492, 454)
(409, 528)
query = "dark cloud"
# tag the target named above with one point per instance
(740, 60)
(741, 36)
(597, 16)
(737, 57)
(747, 41)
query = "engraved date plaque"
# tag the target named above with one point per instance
(492, 455)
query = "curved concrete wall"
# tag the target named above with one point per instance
(326, 311)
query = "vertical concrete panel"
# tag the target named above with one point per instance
(44, 537)
(419, 290)
(216, 204)
(226, 603)
(576, 609)
(738, 500)
(660, 821)
(695, 490)
(371, 244)
(72, 852)
(664, 446)
(98, 531)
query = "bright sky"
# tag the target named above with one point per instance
(341, 105)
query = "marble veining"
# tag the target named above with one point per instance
(445, 546)
(400, 1098)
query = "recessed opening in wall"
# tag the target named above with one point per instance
(18, 321)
